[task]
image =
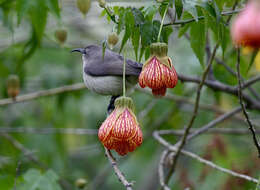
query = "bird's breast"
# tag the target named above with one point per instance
(105, 85)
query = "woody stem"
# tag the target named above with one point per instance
(164, 14)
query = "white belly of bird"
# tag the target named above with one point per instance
(105, 85)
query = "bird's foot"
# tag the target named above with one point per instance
(111, 105)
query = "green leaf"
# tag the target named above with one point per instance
(35, 180)
(183, 30)
(198, 40)
(149, 12)
(22, 7)
(136, 40)
(190, 7)
(39, 18)
(121, 20)
(252, 60)
(138, 16)
(146, 31)
(129, 25)
(53, 5)
(155, 31)
(178, 7)
(166, 32)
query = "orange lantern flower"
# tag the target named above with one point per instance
(245, 29)
(158, 72)
(121, 131)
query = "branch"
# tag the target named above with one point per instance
(194, 115)
(161, 170)
(30, 130)
(251, 127)
(29, 154)
(202, 160)
(117, 171)
(43, 93)
(222, 131)
(247, 84)
(182, 22)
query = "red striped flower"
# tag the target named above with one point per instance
(245, 29)
(158, 72)
(121, 131)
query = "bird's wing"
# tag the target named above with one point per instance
(112, 64)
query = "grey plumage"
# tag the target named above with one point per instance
(112, 64)
(104, 76)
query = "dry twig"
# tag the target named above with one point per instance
(117, 171)
(251, 127)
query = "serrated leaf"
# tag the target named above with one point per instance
(53, 5)
(198, 40)
(178, 7)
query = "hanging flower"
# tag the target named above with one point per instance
(245, 29)
(158, 72)
(121, 131)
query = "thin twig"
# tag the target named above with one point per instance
(43, 93)
(117, 171)
(161, 170)
(182, 22)
(194, 115)
(221, 131)
(30, 130)
(202, 160)
(251, 127)
(29, 154)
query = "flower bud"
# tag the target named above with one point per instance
(112, 40)
(80, 183)
(61, 35)
(84, 6)
(245, 30)
(102, 3)
(121, 131)
(158, 72)
(13, 86)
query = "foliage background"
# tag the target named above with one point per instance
(29, 49)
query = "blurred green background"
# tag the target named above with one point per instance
(69, 157)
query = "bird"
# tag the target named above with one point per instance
(103, 72)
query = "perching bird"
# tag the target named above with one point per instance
(104, 75)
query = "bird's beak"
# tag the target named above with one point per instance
(81, 50)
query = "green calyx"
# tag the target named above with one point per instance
(124, 102)
(159, 49)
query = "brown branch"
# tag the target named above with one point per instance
(117, 171)
(251, 127)
(194, 115)
(202, 160)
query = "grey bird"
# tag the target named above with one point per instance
(104, 75)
